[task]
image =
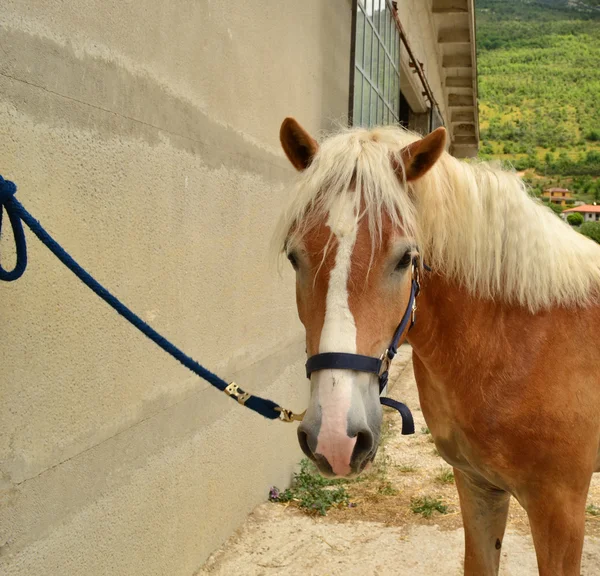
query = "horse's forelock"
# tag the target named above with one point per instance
(354, 164)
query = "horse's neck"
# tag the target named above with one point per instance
(480, 364)
(456, 333)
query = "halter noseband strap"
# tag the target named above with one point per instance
(379, 366)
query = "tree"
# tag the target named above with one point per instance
(591, 230)
(556, 208)
(539, 82)
(575, 219)
(593, 136)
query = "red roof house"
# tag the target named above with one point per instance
(591, 213)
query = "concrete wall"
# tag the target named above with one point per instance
(441, 34)
(144, 135)
(417, 21)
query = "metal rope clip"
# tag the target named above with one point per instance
(236, 392)
(385, 362)
(288, 415)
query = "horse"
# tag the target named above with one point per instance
(505, 350)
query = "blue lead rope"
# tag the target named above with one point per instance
(17, 215)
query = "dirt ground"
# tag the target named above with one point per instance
(379, 535)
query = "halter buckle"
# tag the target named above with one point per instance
(416, 274)
(385, 362)
(288, 415)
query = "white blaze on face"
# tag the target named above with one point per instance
(334, 387)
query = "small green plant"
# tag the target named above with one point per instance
(592, 510)
(427, 505)
(313, 492)
(407, 468)
(446, 476)
(575, 219)
(386, 489)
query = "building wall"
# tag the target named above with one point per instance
(417, 22)
(144, 136)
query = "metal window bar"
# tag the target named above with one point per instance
(381, 10)
(370, 82)
(374, 74)
(426, 88)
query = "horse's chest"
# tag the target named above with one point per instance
(449, 439)
(448, 419)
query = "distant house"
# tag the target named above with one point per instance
(561, 196)
(590, 213)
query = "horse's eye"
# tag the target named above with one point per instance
(404, 262)
(292, 258)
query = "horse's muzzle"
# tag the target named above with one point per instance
(343, 457)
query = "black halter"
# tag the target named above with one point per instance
(379, 366)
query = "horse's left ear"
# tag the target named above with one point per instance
(421, 155)
(299, 146)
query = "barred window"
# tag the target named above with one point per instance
(376, 97)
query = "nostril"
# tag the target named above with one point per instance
(363, 447)
(303, 441)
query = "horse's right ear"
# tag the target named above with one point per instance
(297, 144)
(420, 156)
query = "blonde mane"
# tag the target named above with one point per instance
(474, 223)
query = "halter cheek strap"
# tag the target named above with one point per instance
(378, 366)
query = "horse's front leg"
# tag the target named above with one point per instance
(484, 511)
(557, 519)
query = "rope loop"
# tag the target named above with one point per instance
(7, 202)
(7, 190)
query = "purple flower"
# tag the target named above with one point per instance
(274, 494)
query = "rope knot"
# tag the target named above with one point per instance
(7, 190)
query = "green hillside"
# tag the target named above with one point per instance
(539, 89)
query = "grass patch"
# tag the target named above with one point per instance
(406, 468)
(446, 476)
(592, 510)
(312, 492)
(435, 452)
(427, 505)
(386, 489)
